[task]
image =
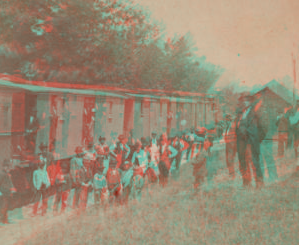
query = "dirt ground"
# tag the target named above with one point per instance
(221, 213)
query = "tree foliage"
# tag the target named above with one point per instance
(105, 42)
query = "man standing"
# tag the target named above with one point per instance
(131, 143)
(141, 155)
(180, 145)
(45, 157)
(89, 160)
(267, 142)
(294, 123)
(154, 149)
(119, 151)
(102, 154)
(250, 131)
(31, 131)
(282, 123)
(41, 183)
(75, 168)
(6, 189)
(63, 185)
(191, 136)
(230, 139)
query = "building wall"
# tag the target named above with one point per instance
(100, 117)
(44, 116)
(129, 105)
(62, 117)
(76, 105)
(163, 116)
(154, 116)
(18, 119)
(5, 124)
(115, 118)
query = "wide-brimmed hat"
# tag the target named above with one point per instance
(43, 146)
(126, 166)
(138, 143)
(79, 150)
(121, 137)
(228, 117)
(102, 138)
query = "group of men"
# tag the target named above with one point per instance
(119, 172)
(114, 173)
(251, 134)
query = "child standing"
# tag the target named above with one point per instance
(200, 163)
(63, 186)
(41, 183)
(100, 187)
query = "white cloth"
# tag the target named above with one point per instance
(40, 177)
(294, 119)
(142, 158)
(154, 152)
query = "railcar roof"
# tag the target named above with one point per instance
(46, 87)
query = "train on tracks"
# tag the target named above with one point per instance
(64, 116)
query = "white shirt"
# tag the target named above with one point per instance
(294, 119)
(245, 113)
(40, 177)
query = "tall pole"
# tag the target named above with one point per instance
(294, 88)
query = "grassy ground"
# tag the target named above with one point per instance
(221, 213)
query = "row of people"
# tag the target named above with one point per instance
(114, 172)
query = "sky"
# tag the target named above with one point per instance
(252, 39)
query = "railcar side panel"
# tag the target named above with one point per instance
(76, 106)
(100, 117)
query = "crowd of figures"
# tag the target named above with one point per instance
(115, 173)
(119, 172)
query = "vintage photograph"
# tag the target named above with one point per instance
(149, 122)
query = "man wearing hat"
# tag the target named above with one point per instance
(198, 141)
(45, 156)
(89, 160)
(250, 131)
(31, 131)
(76, 166)
(138, 179)
(41, 183)
(63, 185)
(230, 139)
(131, 143)
(191, 137)
(102, 151)
(119, 151)
(6, 189)
(141, 155)
(282, 124)
(180, 145)
(100, 186)
(154, 149)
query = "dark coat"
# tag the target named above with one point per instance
(6, 185)
(255, 125)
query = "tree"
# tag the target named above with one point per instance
(96, 42)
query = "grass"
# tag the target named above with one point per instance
(224, 214)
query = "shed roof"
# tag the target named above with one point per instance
(280, 90)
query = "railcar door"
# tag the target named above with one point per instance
(31, 122)
(88, 120)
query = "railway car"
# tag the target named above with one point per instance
(64, 116)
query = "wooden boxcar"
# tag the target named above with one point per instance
(70, 115)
